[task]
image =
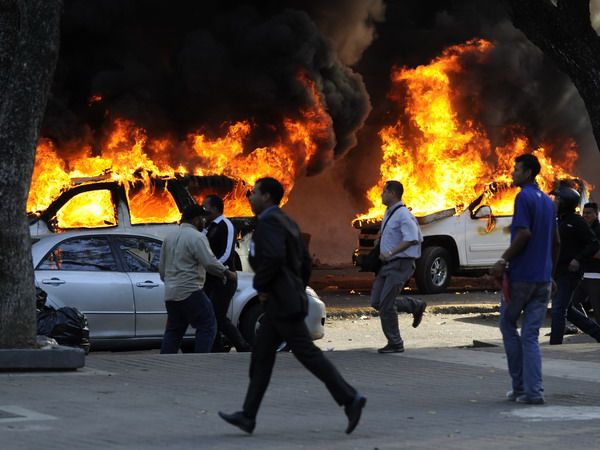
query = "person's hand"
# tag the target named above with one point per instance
(385, 256)
(498, 269)
(574, 266)
(263, 297)
(231, 275)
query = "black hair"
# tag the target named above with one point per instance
(592, 205)
(215, 202)
(272, 187)
(530, 162)
(192, 211)
(394, 186)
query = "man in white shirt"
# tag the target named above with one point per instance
(185, 257)
(400, 244)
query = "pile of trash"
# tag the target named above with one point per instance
(67, 326)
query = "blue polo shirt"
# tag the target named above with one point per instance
(533, 210)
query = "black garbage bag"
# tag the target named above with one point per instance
(40, 298)
(68, 326)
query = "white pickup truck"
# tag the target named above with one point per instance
(466, 244)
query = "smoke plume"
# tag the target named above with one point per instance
(175, 68)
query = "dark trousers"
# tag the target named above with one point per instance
(293, 331)
(197, 311)
(588, 289)
(220, 295)
(562, 310)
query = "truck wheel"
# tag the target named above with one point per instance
(432, 273)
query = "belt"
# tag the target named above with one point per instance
(395, 259)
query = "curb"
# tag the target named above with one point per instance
(342, 313)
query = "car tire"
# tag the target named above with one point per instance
(249, 326)
(433, 270)
(250, 321)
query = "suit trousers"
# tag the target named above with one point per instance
(293, 331)
(220, 295)
(384, 296)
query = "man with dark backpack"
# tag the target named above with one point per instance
(400, 246)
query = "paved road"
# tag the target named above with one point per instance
(426, 398)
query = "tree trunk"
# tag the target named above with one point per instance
(565, 33)
(29, 37)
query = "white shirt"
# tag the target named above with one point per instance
(402, 226)
(185, 256)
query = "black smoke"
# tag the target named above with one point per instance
(175, 68)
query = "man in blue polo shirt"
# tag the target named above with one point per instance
(528, 263)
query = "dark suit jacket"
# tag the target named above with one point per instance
(281, 263)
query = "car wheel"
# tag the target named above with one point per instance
(432, 272)
(250, 323)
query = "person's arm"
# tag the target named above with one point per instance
(555, 250)
(270, 248)
(397, 249)
(516, 246)
(207, 258)
(161, 263)
(222, 242)
(410, 232)
(592, 247)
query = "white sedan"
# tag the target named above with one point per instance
(113, 279)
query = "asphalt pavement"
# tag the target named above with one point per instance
(428, 398)
(451, 398)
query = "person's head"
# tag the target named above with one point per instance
(267, 192)
(214, 205)
(590, 213)
(526, 169)
(195, 215)
(392, 192)
(566, 199)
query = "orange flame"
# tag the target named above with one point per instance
(447, 163)
(128, 154)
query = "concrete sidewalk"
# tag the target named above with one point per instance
(450, 398)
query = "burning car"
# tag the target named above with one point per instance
(456, 242)
(150, 205)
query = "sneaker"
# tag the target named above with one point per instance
(530, 400)
(513, 395)
(391, 348)
(418, 315)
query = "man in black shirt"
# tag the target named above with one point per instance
(577, 244)
(221, 236)
(589, 287)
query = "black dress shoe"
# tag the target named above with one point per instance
(391, 348)
(418, 315)
(239, 420)
(353, 411)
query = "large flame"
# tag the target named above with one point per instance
(130, 157)
(444, 162)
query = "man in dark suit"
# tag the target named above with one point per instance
(221, 237)
(282, 268)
